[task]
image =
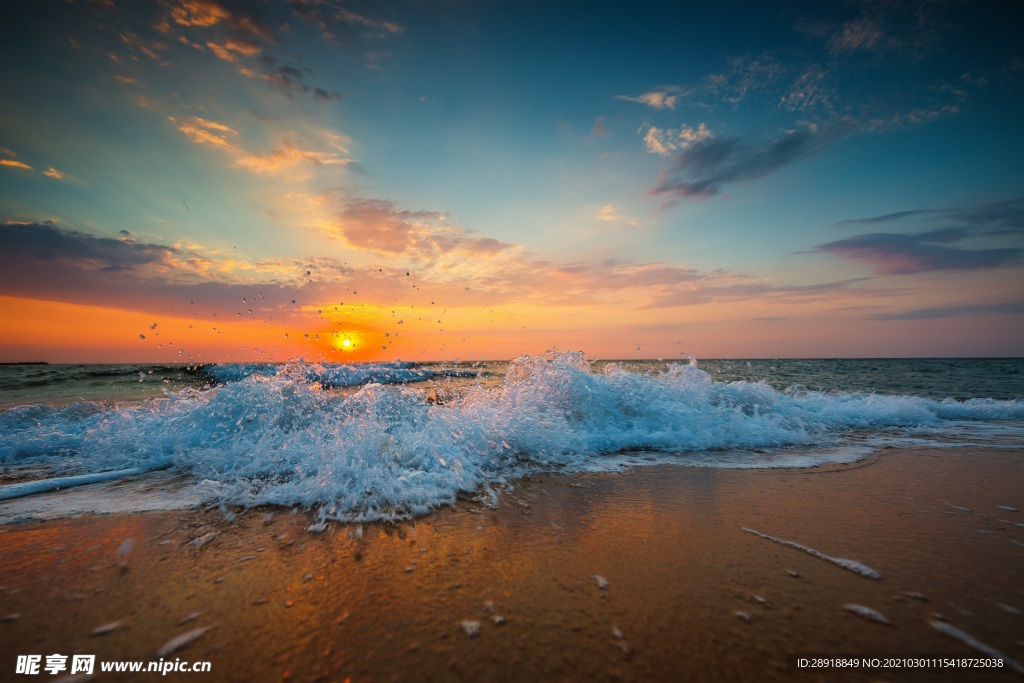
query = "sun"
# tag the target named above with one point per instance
(346, 341)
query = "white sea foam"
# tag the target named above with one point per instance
(867, 613)
(385, 451)
(331, 375)
(971, 641)
(850, 565)
(178, 642)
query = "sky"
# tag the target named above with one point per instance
(214, 181)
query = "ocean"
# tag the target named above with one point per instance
(371, 441)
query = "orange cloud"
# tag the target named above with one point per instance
(199, 13)
(227, 51)
(53, 173)
(668, 141)
(422, 236)
(286, 156)
(14, 163)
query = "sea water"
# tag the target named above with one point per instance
(392, 440)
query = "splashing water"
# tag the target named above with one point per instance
(385, 451)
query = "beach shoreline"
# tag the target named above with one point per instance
(651, 574)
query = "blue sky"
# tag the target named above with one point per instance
(629, 179)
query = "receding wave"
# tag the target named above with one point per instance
(280, 435)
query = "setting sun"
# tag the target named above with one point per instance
(345, 342)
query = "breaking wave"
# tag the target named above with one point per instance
(282, 435)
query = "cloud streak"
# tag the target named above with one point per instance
(242, 34)
(1010, 308)
(902, 254)
(663, 98)
(379, 225)
(44, 261)
(286, 156)
(1001, 218)
(703, 168)
(14, 163)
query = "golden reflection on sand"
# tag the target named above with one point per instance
(645, 575)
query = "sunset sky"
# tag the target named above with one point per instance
(232, 181)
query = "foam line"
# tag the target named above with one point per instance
(29, 488)
(850, 565)
(968, 639)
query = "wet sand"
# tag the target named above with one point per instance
(642, 576)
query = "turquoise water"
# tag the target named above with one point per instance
(937, 378)
(391, 440)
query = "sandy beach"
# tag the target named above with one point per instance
(647, 575)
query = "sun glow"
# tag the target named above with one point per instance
(346, 341)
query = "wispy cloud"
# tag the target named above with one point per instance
(48, 262)
(721, 290)
(1010, 308)
(599, 129)
(910, 30)
(1000, 218)
(824, 91)
(44, 261)
(147, 48)
(902, 254)
(660, 98)
(336, 22)
(704, 164)
(45, 242)
(243, 20)
(14, 163)
(741, 77)
(609, 214)
(287, 155)
(286, 78)
(668, 141)
(50, 172)
(859, 35)
(242, 34)
(744, 76)
(704, 167)
(379, 225)
(810, 91)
